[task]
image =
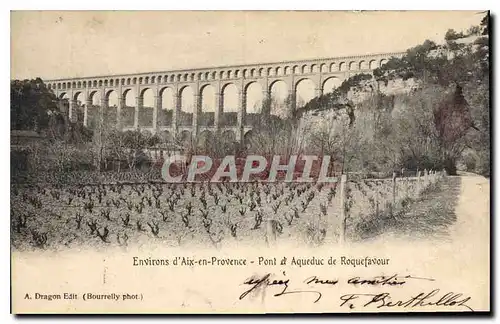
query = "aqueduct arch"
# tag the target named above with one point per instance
(184, 98)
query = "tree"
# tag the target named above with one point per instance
(453, 35)
(273, 134)
(460, 69)
(134, 142)
(100, 140)
(484, 25)
(117, 148)
(154, 140)
(337, 138)
(31, 103)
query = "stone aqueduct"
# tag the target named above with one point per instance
(319, 71)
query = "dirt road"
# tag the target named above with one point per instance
(457, 211)
(473, 211)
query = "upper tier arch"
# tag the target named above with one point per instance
(221, 75)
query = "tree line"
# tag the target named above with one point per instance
(443, 122)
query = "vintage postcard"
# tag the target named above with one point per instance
(250, 162)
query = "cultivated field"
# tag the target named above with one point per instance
(207, 214)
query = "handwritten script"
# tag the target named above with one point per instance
(315, 286)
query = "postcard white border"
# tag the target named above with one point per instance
(193, 5)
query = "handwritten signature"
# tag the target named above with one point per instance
(258, 284)
(423, 299)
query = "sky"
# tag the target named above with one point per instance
(63, 44)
